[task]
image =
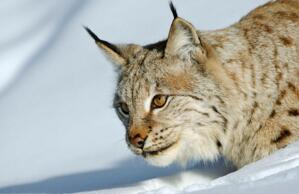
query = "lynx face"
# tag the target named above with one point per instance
(161, 108)
(166, 98)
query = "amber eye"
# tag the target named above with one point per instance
(159, 101)
(123, 109)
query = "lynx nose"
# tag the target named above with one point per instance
(137, 137)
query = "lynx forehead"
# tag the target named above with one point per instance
(199, 95)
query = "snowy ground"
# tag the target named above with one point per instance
(58, 132)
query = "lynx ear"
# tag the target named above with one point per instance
(183, 41)
(112, 51)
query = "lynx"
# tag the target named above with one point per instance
(199, 95)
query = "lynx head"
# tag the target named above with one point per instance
(167, 98)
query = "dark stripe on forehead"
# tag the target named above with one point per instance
(139, 89)
(133, 81)
(144, 58)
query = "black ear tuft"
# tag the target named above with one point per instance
(173, 10)
(103, 42)
(92, 34)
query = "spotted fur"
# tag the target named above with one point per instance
(232, 92)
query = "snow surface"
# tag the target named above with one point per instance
(278, 173)
(58, 131)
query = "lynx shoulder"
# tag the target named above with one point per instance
(199, 95)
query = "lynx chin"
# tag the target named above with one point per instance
(198, 95)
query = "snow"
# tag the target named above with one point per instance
(58, 131)
(277, 173)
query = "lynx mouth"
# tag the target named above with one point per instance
(157, 152)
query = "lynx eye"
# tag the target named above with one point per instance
(123, 109)
(159, 101)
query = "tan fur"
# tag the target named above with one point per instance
(232, 92)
